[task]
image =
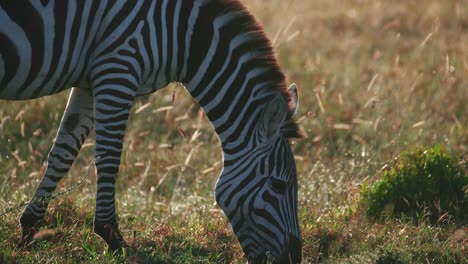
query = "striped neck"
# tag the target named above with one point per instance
(236, 73)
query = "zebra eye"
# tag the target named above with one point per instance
(278, 186)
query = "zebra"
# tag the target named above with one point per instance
(110, 52)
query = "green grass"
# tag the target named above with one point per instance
(423, 184)
(375, 78)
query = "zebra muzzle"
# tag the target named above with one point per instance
(291, 255)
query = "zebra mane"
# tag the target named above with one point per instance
(290, 128)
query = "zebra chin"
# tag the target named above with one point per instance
(292, 254)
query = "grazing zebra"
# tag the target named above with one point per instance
(113, 51)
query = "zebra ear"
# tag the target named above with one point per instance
(273, 116)
(294, 98)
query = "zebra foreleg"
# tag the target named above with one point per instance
(112, 107)
(75, 126)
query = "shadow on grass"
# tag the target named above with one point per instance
(179, 250)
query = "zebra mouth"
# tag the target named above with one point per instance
(267, 258)
(292, 254)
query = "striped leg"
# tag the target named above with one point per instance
(75, 126)
(113, 101)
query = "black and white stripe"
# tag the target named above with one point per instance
(113, 51)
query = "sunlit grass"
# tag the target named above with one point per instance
(375, 78)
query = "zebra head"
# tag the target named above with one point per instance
(258, 187)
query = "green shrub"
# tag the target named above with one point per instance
(421, 184)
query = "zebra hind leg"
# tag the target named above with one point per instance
(75, 126)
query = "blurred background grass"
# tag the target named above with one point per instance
(375, 78)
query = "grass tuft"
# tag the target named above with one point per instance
(422, 183)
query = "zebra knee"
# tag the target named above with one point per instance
(61, 156)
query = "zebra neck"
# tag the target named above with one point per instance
(235, 107)
(231, 69)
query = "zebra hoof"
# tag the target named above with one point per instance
(26, 240)
(112, 236)
(29, 226)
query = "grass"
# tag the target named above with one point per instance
(375, 78)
